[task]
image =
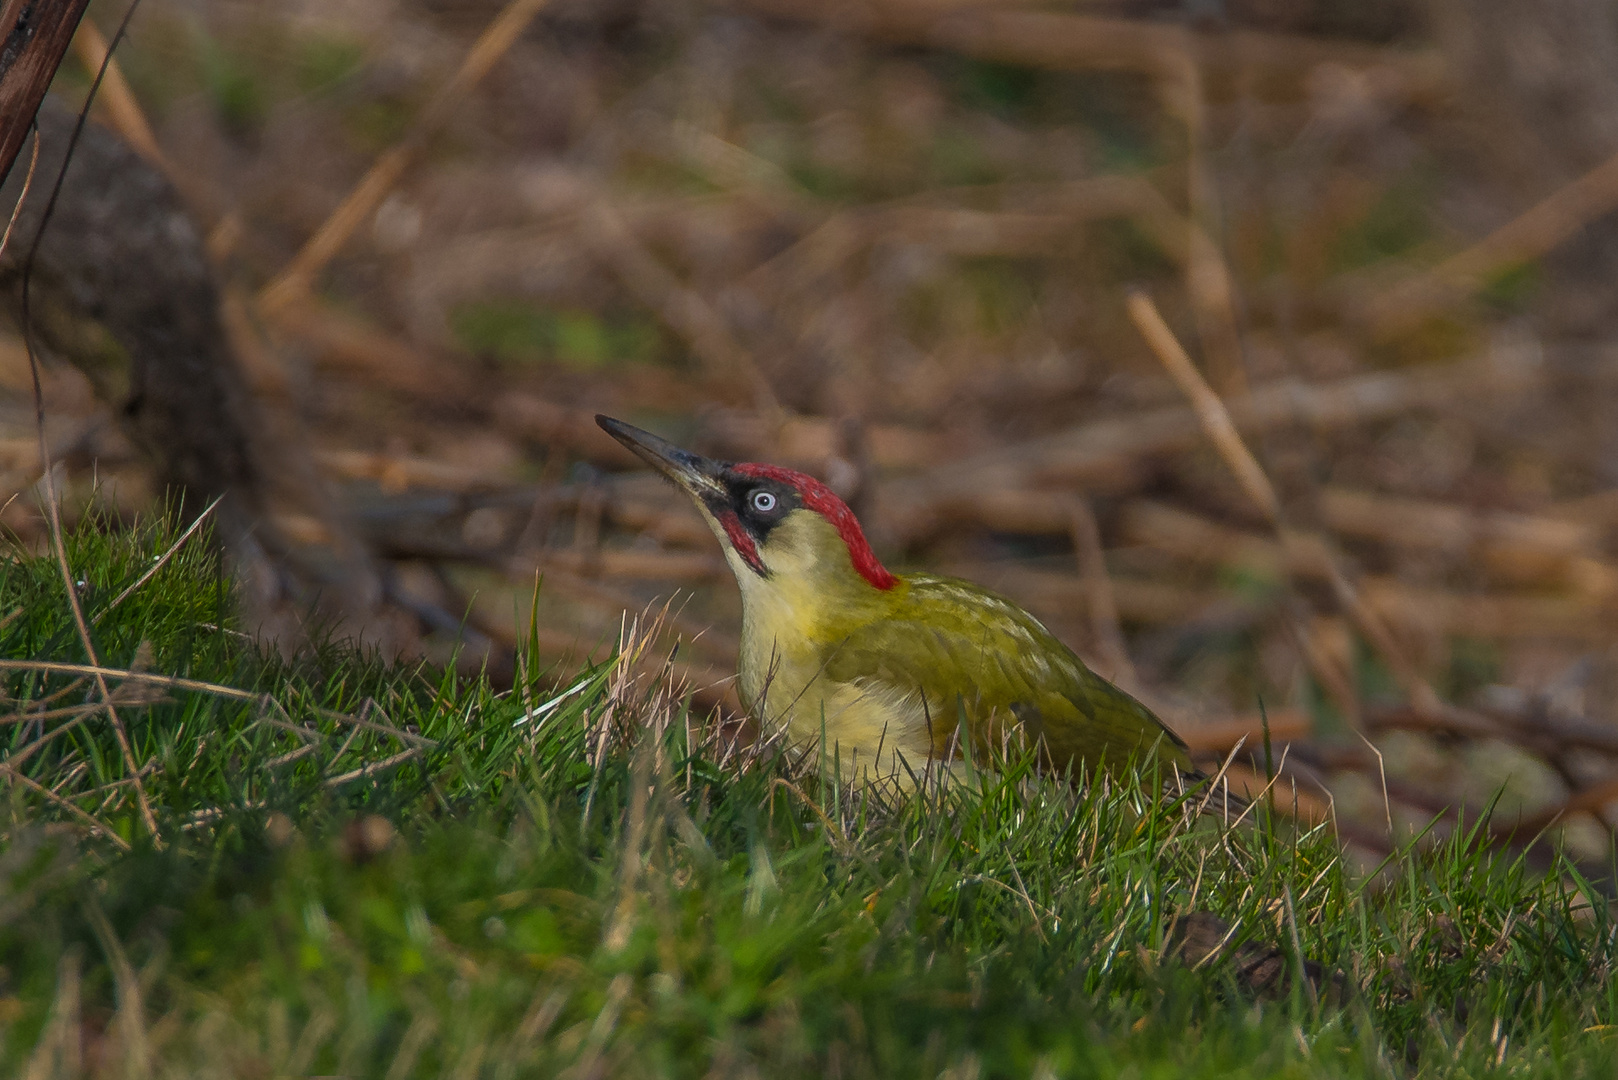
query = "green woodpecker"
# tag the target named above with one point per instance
(881, 666)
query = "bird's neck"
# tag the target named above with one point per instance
(813, 589)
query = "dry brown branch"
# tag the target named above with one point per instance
(19, 758)
(1525, 546)
(1424, 612)
(1548, 732)
(682, 309)
(297, 280)
(571, 430)
(261, 365)
(400, 472)
(1211, 413)
(28, 182)
(679, 526)
(1532, 235)
(618, 564)
(1100, 605)
(308, 735)
(810, 440)
(692, 633)
(1109, 454)
(1047, 221)
(739, 170)
(1220, 736)
(1290, 798)
(1198, 539)
(1488, 616)
(34, 52)
(41, 715)
(1588, 801)
(1031, 37)
(345, 343)
(1207, 278)
(292, 755)
(1056, 596)
(1228, 442)
(1326, 643)
(118, 99)
(57, 695)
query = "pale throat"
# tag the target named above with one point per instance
(786, 614)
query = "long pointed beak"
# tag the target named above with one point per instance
(696, 474)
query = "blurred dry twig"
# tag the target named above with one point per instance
(296, 281)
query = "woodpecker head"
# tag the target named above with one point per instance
(773, 523)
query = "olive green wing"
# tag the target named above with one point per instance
(973, 654)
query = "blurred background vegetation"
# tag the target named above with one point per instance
(891, 244)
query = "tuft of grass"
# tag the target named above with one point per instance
(372, 869)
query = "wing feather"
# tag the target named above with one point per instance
(976, 655)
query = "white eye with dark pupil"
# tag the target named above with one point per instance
(763, 501)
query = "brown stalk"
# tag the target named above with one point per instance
(98, 672)
(1056, 595)
(53, 513)
(36, 49)
(1030, 36)
(1228, 442)
(385, 729)
(114, 786)
(71, 808)
(622, 925)
(946, 222)
(1007, 487)
(1210, 411)
(297, 280)
(49, 714)
(28, 182)
(1194, 538)
(20, 757)
(8, 17)
(57, 695)
(1531, 235)
(1100, 604)
(128, 1025)
(292, 755)
(623, 565)
(1588, 801)
(832, 831)
(682, 309)
(346, 343)
(1207, 277)
(373, 768)
(119, 100)
(161, 561)
(1286, 725)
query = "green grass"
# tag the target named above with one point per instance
(582, 884)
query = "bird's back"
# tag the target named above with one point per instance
(932, 652)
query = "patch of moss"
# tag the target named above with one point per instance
(321, 64)
(518, 332)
